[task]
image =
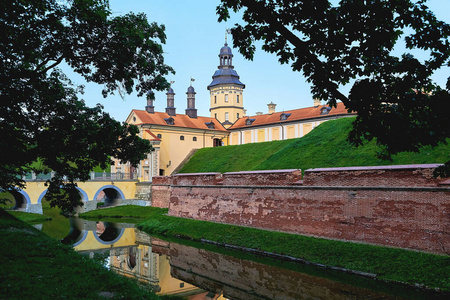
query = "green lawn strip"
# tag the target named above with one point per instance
(30, 218)
(387, 263)
(128, 212)
(35, 265)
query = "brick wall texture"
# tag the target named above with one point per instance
(398, 206)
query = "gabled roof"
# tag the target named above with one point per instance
(293, 115)
(184, 121)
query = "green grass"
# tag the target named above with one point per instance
(35, 265)
(131, 213)
(325, 146)
(30, 218)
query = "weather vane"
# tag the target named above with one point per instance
(192, 80)
(227, 31)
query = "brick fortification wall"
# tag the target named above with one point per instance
(399, 206)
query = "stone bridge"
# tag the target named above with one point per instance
(109, 188)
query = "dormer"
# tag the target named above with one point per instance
(325, 110)
(249, 122)
(210, 125)
(170, 121)
(284, 116)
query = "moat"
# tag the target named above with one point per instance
(197, 271)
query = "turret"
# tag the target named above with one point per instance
(170, 109)
(191, 111)
(150, 98)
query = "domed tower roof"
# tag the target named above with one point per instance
(170, 91)
(190, 89)
(225, 73)
(225, 50)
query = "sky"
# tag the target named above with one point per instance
(194, 38)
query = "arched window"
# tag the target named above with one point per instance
(182, 138)
(194, 138)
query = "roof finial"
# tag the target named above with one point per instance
(192, 80)
(227, 31)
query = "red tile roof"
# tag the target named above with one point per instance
(185, 121)
(155, 138)
(295, 115)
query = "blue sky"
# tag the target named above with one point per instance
(194, 38)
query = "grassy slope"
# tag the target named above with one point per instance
(325, 146)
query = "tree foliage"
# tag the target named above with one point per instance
(41, 117)
(353, 42)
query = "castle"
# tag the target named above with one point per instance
(175, 137)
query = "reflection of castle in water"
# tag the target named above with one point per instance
(133, 254)
(174, 269)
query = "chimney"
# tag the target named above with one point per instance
(190, 110)
(150, 97)
(170, 109)
(271, 106)
(316, 102)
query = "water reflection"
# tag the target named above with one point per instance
(174, 269)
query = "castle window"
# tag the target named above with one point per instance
(194, 138)
(169, 121)
(215, 99)
(249, 121)
(215, 116)
(182, 138)
(284, 116)
(226, 97)
(237, 98)
(159, 135)
(237, 115)
(226, 117)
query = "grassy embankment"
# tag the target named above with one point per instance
(33, 265)
(325, 146)
(386, 263)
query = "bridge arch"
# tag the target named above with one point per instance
(21, 198)
(112, 195)
(83, 195)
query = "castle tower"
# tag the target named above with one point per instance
(191, 111)
(226, 90)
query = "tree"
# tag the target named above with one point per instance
(396, 100)
(41, 117)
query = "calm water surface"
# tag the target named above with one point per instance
(215, 273)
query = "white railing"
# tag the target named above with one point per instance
(95, 176)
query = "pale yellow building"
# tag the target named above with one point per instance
(275, 126)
